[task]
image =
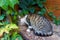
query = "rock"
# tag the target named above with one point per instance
(30, 36)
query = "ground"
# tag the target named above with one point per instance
(31, 36)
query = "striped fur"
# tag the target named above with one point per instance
(39, 24)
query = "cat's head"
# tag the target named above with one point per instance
(22, 20)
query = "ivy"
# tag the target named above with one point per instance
(42, 12)
(32, 10)
(29, 5)
(55, 20)
(2, 17)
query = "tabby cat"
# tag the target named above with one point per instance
(40, 25)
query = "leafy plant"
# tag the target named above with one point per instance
(15, 36)
(30, 6)
(8, 28)
(8, 7)
(5, 37)
(2, 17)
(7, 20)
(10, 36)
(55, 20)
(5, 3)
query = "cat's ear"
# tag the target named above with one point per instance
(25, 16)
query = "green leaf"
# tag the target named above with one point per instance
(43, 0)
(1, 17)
(2, 38)
(21, 13)
(32, 10)
(58, 22)
(43, 10)
(4, 4)
(12, 26)
(25, 11)
(33, 3)
(6, 36)
(55, 21)
(50, 13)
(6, 22)
(16, 36)
(14, 18)
(8, 12)
(1, 31)
(25, 2)
(40, 13)
(54, 17)
(23, 6)
(12, 3)
(19, 38)
(30, 2)
(1, 24)
(5, 7)
(40, 4)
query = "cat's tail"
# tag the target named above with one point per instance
(43, 34)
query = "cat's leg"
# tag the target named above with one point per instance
(29, 27)
(27, 21)
(28, 30)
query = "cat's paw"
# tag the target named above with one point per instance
(28, 30)
(30, 27)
